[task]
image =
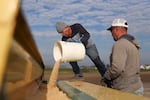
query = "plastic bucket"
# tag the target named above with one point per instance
(68, 51)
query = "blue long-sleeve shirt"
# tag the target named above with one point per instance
(79, 34)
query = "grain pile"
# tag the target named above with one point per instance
(54, 75)
(53, 92)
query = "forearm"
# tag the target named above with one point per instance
(112, 72)
(84, 34)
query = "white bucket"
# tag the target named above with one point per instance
(68, 51)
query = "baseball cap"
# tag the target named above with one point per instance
(60, 26)
(118, 22)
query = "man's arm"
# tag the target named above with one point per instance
(83, 33)
(117, 66)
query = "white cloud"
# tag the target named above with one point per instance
(88, 12)
(45, 34)
(95, 15)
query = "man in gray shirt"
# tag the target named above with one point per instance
(124, 70)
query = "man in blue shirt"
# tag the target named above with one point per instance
(77, 33)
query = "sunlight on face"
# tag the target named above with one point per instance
(67, 31)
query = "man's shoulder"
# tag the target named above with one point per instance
(121, 42)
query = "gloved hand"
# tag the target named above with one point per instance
(106, 83)
(84, 42)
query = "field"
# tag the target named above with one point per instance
(92, 76)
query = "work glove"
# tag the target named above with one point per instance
(85, 42)
(106, 83)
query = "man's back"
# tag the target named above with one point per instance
(126, 58)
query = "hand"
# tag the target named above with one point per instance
(106, 83)
(85, 42)
(102, 82)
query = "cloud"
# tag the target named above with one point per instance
(95, 16)
(45, 34)
(97, 13)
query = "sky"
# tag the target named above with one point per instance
(95, 15)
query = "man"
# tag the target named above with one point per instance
(124, 70)
(77, 33)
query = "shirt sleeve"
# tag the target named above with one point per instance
(83, 33)
(118, 61)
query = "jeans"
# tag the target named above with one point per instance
(75, 68)
(92, 53)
